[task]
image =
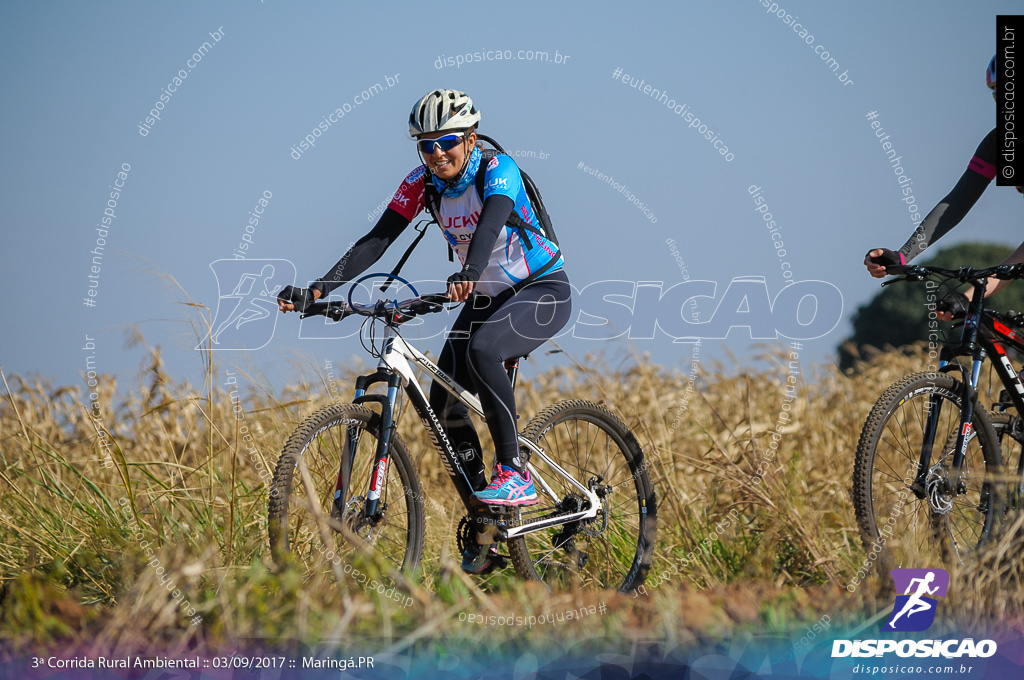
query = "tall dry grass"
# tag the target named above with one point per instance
(736, 549)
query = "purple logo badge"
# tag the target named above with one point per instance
(915, 608)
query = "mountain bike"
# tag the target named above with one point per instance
(928, 475)
(345, 481)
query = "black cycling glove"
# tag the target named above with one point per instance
(954, 302)
(887, 257)
(467, 275)
(302, 298)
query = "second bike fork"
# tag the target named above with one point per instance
(963, 435)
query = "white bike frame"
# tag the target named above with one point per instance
(396, 357)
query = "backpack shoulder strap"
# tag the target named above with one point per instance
(432, 202)
(514, 219)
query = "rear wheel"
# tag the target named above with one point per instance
(312, 528)
(904, 523)
(612, 550)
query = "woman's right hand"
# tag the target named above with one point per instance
(290, 295)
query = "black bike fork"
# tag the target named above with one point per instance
(378, 473)
(970, 382)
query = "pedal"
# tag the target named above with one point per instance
(469, 538)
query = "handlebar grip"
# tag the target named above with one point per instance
(333, 310)
(436, 298)
(315, 309)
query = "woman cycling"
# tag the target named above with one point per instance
(518, 294)
(952, 209)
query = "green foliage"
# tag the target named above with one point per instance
(898, 316)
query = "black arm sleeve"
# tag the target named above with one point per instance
(364, 253)
(959, 201)
(493, 217)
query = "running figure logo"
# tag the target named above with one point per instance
(245, 317)
(915, 608)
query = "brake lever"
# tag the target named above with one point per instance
(900, 279)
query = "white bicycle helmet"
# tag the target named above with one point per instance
(442, 110)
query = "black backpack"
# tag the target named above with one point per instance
(432, 202)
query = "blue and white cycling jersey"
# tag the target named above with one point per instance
(509, 262)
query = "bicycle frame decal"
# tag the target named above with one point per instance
(971, 321)
(1005, 331)
(378, 480)
(1005, 361)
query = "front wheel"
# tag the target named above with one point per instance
(316, 502)
(612, 550)
(910, 520)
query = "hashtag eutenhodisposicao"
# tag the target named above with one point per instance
(529, 621)
(679, 109)
(621, 188)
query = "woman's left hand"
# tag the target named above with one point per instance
(460, 291)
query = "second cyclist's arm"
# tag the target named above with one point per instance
(1016, 257)
(952, 209)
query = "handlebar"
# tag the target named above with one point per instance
(970, 275)
(392, 311)
(918, 272)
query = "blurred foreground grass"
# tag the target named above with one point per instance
(738, 551)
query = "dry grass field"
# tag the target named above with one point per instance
(163, 470)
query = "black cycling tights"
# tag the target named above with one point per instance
(487, 332)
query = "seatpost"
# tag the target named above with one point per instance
(512, 367)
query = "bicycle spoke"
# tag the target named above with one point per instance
(319, 450)
(585, 443)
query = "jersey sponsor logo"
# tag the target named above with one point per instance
(400, 199)
(461, 221)
(982, 167)
(498, 183)
(415, 175)
(460, 237)
(493, 164)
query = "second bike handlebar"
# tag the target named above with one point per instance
(971, 275)
(918, 272)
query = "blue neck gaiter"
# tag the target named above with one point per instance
(467, 177)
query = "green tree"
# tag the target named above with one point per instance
(898, 316)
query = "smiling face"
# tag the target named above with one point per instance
(448, 164)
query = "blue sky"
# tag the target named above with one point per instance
(79, 78)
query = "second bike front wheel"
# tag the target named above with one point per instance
(908, 525)
(613, 550)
